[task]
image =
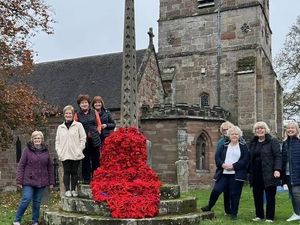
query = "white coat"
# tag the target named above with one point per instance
(69, 143)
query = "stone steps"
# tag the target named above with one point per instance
(90, 207)
(83, 210)
(65, 218)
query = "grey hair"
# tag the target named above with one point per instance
(68, 107)
(37, 133)
(235, 129)
(226, 124)
(261, 124)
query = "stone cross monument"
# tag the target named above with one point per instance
(129, 79)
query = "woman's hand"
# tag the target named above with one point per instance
(103, 126)
(276, 174)
(227, 166)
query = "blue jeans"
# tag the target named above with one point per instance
(33, 194)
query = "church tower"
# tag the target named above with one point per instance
(218, 52)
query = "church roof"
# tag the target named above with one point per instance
(60, 82)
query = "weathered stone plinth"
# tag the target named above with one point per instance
(173, 210)
(63, 218)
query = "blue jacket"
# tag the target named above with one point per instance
(291, 153)
(240, 167)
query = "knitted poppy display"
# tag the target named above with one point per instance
(130, 188)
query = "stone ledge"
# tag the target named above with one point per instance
(83, 205)
(90, 207)
(64, 218)
(167, 191)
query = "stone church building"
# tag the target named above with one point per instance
(213, 63)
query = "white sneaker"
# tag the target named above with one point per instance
(294, 217)
(74, 193)
(36, 223)
(68, 194)
(16, 223)
(256, 219)
(269, 221)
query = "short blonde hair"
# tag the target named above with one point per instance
(226, 125)
(261, 124)
(37, 133)
(295, 124)
(68, 107)
(235, 129)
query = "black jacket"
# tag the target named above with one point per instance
(271, 159)
(240, 167)
(107, 119)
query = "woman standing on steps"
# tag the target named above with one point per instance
(91, 122)
(69, 144)
(108, 124)
(232, 161)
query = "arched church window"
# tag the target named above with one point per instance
(204, 100)
(205, 3)
(201, 153)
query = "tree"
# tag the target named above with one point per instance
(20, 20)
(287, 66)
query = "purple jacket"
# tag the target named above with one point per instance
(35, 167)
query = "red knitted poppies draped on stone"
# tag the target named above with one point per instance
(130, 188)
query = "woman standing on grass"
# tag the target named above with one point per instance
(232, 161)
(34, 173)
(265, 168)
(69, 144)
(291, 166)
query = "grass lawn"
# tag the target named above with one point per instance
(9, 203)
(246, 209)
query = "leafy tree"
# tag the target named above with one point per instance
(287, 66)
(20, 20)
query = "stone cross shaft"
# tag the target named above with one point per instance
(129, 74)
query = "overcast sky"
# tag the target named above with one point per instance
(95, 27)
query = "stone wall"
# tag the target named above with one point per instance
(173, 132)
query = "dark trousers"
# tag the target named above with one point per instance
(294, 203)
(296, 196)
(70, 174)
(234, 187)
(226, 197)
(90, 162)
(258, 195)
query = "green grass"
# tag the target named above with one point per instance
(246, 208)
(9, 203)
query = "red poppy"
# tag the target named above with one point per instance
(130, 188)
